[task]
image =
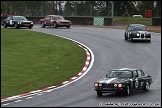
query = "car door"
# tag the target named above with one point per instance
(11, 21)
(136, 80)
(51, 19)
(48, 21)
(141, 78)
(128, 31)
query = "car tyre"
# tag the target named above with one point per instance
(30, 27)
(146, 86)
(5, 25)
(131, 39)
(54, 25)
(148, 40)
(16, 25)
(99, 93)
(68, 26)
(127, 92)
(126, 38)
(43, 25)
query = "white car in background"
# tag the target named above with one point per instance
(138, 16)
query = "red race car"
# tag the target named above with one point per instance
(55, 21)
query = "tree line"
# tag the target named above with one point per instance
(79, 8)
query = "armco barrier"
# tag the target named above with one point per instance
(156, 21)
(80, 20)
(108, 22)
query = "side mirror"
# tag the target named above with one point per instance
(136, 76)
(148, 75)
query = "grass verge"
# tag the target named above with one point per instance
(32, 60)
(131, 20)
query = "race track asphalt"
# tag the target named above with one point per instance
(110, 51)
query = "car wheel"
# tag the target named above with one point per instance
(16, 25)
(43, 25)
(131, 39)
(68, 26)
(99, 93)
(5, 25)
(54, 25)
(146, 86)
(127, 92)
(126, 38)
(30, 27)
(148, 40)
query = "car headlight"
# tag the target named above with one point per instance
(31, 22)
(100, 85)
(148, 33)
(96, 84)
(19, 22)
(138, 34)
(115, 85)
(119, 85)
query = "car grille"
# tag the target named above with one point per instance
(25, 22)
(108, 86)
(142, 35)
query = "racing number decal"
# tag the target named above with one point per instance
(128, 34)
(131, 83)
(136, 83)
(142, 84)
(11, 22)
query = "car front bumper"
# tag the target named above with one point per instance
(141, 38)
(25, 25)
(109, 90)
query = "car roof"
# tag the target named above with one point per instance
(18, 16)
(137, 24)
(130, 69)
(15, 16)
(53, 15)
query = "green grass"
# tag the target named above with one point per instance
(32, 60)
(131, 20)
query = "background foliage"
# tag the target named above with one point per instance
(79, 8)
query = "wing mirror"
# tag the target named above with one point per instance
(136, 76)
(148, 75)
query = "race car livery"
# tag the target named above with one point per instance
(17, 22)
(137, 32)
(123, 80)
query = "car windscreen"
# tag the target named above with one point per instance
(139, 28)
(120, 73)
(58, 17)
(19, 18)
